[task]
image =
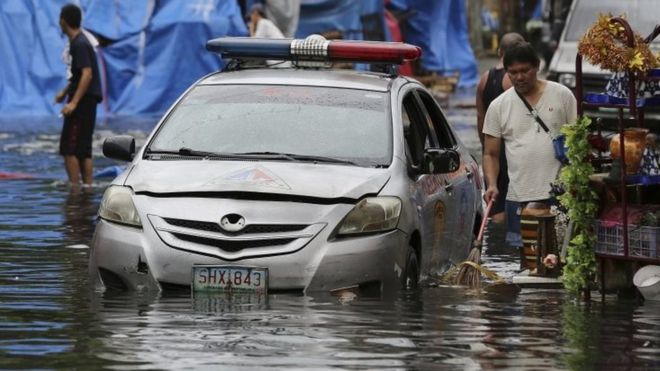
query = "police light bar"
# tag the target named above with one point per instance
(314, 48)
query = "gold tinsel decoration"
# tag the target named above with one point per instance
(604, 45)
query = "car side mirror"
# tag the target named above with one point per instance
(119, 147)
(441, 161)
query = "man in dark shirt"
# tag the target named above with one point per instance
(82, 93)
(493, 83)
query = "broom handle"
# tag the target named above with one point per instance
(484, 221)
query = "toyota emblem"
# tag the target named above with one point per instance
(232, 222)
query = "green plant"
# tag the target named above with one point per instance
(581, 202)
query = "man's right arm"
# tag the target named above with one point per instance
(491, 165)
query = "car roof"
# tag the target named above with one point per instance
(301, 77)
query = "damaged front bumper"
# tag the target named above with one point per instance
(137, 259)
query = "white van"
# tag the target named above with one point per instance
(643, 16)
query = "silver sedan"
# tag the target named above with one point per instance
(289, 179)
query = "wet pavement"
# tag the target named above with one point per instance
(50, 319)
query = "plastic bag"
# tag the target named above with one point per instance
(558, 143)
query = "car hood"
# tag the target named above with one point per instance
(284, 178)
(564, 61)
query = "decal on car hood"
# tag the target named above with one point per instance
(294, 179)
(253, 176)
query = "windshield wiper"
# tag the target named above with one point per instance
(303, 158)
(187, 152)
(324, 159)
(269, 155)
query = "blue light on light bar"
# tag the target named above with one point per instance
(246, 47)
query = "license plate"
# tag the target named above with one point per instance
(230, 279)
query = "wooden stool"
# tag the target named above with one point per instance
(529, 226)
(546, 243)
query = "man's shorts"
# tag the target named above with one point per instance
(513, 218)
(78, 129)
(513, 211)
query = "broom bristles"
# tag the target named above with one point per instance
(468, 275)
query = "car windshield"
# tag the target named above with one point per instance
(329, 123)
(641, 14)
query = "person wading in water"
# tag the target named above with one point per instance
(83, 93)
(493, 83)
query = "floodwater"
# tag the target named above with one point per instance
(50, 319)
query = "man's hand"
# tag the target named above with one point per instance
(491, 193)
(69, 108)
(59, 97)
(83, 85)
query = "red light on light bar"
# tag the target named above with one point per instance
(364, 51)
(314, 48)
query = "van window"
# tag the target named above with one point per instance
(641, 14)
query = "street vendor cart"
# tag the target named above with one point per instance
(627, 225)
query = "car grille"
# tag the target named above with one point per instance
(249, 229)
(208, 238)
(233, 246)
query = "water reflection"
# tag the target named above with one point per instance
(78, 210)
(50, 318)
(614, 334)
(218, 302)
(39, 290)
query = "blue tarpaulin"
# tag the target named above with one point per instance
(156, 49)
(353, 19)
(152, 50)
(149, 69)
(440, 29)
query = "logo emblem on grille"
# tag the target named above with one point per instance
(232, 223)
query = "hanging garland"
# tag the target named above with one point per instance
(604, 45)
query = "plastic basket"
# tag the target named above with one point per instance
(610, 239)
(642, 240)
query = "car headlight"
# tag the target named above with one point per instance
(567, 79)
(117, 206)
(377, 214)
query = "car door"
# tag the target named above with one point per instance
(427, 190)
(461, 186)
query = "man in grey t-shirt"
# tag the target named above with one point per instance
(528, 147)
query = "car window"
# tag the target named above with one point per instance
(642, 15)
(347, 124)
(414, 129)
(436, 118)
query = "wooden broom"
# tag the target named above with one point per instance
(469, 273)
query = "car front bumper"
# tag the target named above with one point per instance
(143, 261)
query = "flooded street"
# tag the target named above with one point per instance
(51, 319)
